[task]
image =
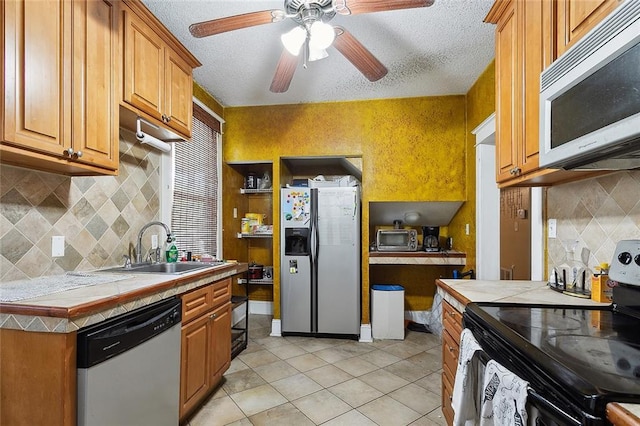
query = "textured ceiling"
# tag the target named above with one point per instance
(437, 50)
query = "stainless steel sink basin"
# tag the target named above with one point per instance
(163, 268)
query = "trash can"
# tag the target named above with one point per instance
(387, 311)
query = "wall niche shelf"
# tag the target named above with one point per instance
(264, 281)
(244, 191)
(255, 235)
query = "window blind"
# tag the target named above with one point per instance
(194, 213)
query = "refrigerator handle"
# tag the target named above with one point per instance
(313, 258)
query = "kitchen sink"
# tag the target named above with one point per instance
(163, 268)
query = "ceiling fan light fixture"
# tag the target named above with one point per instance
(321, 35)
(294, 39)
(317, 54)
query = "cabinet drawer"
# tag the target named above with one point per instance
(221, 292)
(447, 392)
(450, 351)
(196, 302)
(452, 321)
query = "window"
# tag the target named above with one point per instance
(195, 211)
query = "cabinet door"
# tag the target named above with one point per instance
(143, 66)
(577, 17)
(95, 77)
(179, 93)
(220, 342)
(194, 364)
(534, 54)
(37, 61)
(507, 94)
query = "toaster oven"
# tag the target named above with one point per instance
(397, 240)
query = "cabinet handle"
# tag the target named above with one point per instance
(451, 349)
(79, 154)
(69, 152)
(168, 119)
(212, 316)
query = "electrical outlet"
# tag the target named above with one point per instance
(552, 228)
(57, 246)
(154, 241)
(235, 212)
(466, 228)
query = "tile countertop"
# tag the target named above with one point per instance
(70, 310)
(460, 292)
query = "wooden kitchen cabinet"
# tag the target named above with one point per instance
(157, 71)
(206, 342)
(41, 369)
(523, 50)
(525, 46)
(451, 330)
(61, 69)
(578, 17)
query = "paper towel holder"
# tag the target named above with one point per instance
(148, 139)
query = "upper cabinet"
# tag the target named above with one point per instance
(157, 71)
(522, 52)
(577, 17)
(526, 43)
(61, 70)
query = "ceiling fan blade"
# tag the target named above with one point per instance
(354, 7)
(236, 22)
(284, 72)
(358, 55)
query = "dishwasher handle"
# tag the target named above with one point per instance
(112, 337)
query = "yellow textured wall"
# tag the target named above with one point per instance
(480, 105)
(412, 149)
(201, 94)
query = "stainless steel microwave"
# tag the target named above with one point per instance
(397, 240)
(590, 98)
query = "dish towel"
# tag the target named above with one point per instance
(503, 398)
(463, 400)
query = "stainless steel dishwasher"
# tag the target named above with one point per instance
(129, 368)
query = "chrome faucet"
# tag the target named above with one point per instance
(139, 243)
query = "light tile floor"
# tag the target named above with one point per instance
(317, 381)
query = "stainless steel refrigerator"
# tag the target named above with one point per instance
(320, 261)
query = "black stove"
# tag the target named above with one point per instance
(574, 357)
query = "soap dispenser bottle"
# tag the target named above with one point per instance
(172, 250)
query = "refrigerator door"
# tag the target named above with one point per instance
(338, 260)
(295, 294)
(295, 261)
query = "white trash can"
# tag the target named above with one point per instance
(387, 311)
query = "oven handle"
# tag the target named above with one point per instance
(550, 407)
(533, 396)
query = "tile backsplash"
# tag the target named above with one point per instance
(100, 217)
(597, 212)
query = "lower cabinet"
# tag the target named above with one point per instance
(206, 342)
(452, 328)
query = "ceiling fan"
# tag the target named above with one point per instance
(313, 35)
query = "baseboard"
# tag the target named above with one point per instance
(276, 328)
(260, 307)
(365, 333)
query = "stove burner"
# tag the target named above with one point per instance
(606, 354)
(549, 321)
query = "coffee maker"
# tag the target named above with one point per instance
(431, 238)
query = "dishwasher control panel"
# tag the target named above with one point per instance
(116, 335)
